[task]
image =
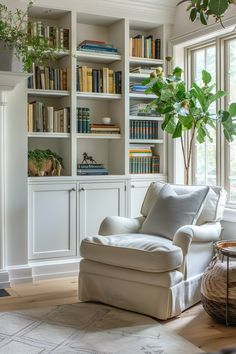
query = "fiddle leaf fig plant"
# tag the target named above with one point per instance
(205, 9)
(189, 110)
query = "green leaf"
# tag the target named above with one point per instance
(178, 131)
(203, 18)
(186, 121)
(218, 7)
(199, 95)
(169, 124)
(193, 14)
(177, 72)
(201, 134)
(206, 77)
(232, 109)
(215, 97)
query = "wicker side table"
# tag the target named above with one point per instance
(218, 288)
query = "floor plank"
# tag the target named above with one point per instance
(194, 324)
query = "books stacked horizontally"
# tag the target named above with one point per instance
(83, 120)
(91, 169)
(143, 109)
(137, 88)
(145, 47)
(97, 46)
(55, 37)
(103, 80)
(142, 70)
(48, 78)
(142, 160)
(46, 119)
(143, 129)
(105, 129)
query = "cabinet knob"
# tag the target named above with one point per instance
(72, 190)
(81, 189)
(132, 186)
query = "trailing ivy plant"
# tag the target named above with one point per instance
(15, 35)
(205, 9)
(188, 110)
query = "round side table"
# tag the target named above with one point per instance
(218, 288)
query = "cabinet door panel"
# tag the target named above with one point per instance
(137, 193)
(52, 221)
(97, 201)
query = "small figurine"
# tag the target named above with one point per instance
(88, 159)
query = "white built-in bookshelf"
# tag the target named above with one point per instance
(112, 150)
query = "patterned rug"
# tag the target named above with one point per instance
(86, 328)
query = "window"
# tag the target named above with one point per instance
(215, 163)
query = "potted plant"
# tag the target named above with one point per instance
(17, 45)
(189, 110)
(44, 163)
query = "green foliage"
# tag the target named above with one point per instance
(38, 156)
(190, 109)
(204, 9)
(14, 34)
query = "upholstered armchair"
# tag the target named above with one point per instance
(153, 264)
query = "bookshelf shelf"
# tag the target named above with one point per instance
(98, 96)
(145, 61)
(47, 93)
(146, 141)
(141, 96)
(98, 136)
(156, 118)
(96, 57)
(48, 135)
(58, 54)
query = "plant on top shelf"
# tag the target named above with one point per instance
(205, 9)
(15, 37)
(44, 163)
(189, 110)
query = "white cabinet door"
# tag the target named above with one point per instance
(137, 193)
(96, 201)
(52, 220)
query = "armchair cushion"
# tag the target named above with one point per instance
(213, 207)
(172, 211)
(134, 251)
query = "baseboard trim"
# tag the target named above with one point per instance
(55, 269)
(4, 279)
(20, 274)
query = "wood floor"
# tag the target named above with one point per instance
(194, 324)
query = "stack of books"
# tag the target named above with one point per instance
(55, 37)
(103, 80)
(137, 88)
(142, 160)
(145, 47)
(91, 169)
(143, 129)
(105, 129)
(143, 70)
(97, 46)
(143, 109)
(46, 119)
(83, 120)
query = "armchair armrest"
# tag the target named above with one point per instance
(112, 225)
(192, 233)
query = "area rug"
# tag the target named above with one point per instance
(86, 328)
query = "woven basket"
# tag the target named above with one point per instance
(213, 291)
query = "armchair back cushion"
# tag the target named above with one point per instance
(212, 210)
(172, 210)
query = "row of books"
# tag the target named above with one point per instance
(143, 109)
(105, 129)
(83, 120)
(56, 37)
(103, 80)
(48, 78)
(143, 69)
(91, 169)
(143, 129)
(144, 164)
(46, 119)
(97, 46)
(145, 47)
